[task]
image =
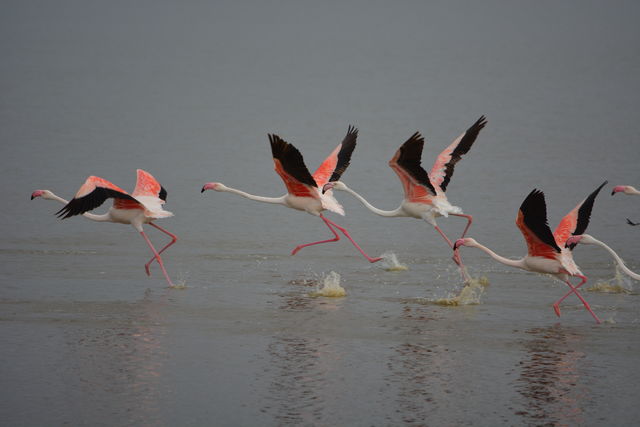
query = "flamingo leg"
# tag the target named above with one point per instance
(346, 233)
(456, 256)
(469, 221)
(157, 257)
(574, 290)
(174, 238)
(335, 239)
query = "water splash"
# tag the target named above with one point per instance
(619, 284)
(181, 282)
(331, 287)
(469, 295)
(390, 262)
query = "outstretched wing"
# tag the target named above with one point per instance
(442, 170)
(532, 222)
(92, 194)
(289, 164)
(147, 185)
(406, 164)
(336, 163)
(576, 221)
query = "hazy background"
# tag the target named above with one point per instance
(189, 91)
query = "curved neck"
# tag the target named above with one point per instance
(93, 217)
(395, 212)
(618, 259)
(274, 200)
(517, 263)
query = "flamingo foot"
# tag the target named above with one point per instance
(372, 260)
(556, 308)
(295, 250)
(147, 267)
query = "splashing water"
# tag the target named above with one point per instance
(619, 284)
(181, 282)
(390, 262)
(469, 295)
(331, 287)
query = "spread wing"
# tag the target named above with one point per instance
(406, 164)
(289, 164)
(442, 170)
(576, 221)
(147, 185)
(92, 194)
(336, 163)
(532, 222)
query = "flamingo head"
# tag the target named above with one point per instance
(216, 186)
(467, 241)
(334, 185)
(618, 188)
(45, 194)
(585, 239)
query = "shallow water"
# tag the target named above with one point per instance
(189, 93)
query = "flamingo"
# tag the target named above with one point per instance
(143, 206)
(545, 254)
(626, 189)
(587, 239)
(424, 194)
(303, 189)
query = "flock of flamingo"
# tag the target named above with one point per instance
(424, 199)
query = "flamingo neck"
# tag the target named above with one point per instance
(395, 212)
(619, 260)
(517, 263)
(274, 200)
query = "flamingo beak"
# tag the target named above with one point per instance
(617, 189)
(35, 194)
(328, 186)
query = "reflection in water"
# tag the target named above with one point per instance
(414, 367)
(301, 366)
(549, 379)
(118, 363)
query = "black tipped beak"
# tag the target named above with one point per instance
(32, 197)
(613, 192)
(202, 190)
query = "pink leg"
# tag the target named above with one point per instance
(346, 233)
(556, 305)
(335, 239)
(157, 257)
(174, 238)
(469, 221)
(456, 256)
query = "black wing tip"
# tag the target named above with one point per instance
(163, 194)
(481, 122)
(278, 145)
(352, 130)
(534, 212)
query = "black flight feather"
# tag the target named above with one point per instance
(584, 213)
(291, 160)
(462, 148)
(90, 201)
(534, 214)
(410, 159)
(344, 155)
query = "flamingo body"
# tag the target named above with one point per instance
(143, 206)
(424, 193)
(303, 189)
(547, 252)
